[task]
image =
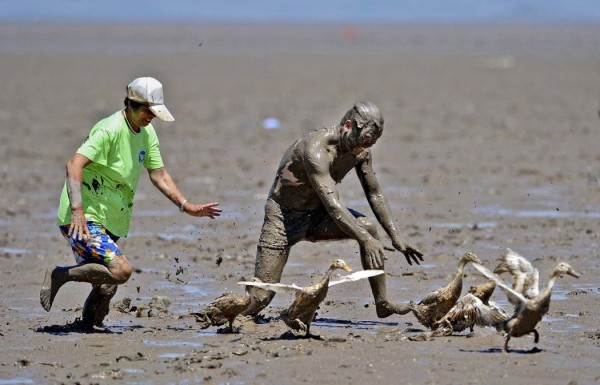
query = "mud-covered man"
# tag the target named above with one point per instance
(304, 204)
(97, 199)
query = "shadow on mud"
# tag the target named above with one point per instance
(78, 326)
(533, 350)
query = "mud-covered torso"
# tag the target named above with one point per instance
(292, 187)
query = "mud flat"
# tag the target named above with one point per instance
(490, 141)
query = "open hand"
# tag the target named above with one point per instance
(78, 230)
(207, 210)
(374, 254)
(411, 253)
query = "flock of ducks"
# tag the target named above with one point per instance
(443, 311)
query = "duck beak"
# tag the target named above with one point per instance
(573, 273)
(346, 268)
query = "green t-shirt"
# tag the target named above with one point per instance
(110, 181)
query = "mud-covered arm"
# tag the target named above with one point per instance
(162, 180)
(74, 170)
(381, 209)
(316, 163)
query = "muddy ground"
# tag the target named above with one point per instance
(490, 142)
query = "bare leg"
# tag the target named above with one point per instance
(268, 268)
(96, 305)
(117, 272)
(537, 336)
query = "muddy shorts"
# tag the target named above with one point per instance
(284, 227)
(101, 247)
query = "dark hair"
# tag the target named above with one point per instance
(132, 103)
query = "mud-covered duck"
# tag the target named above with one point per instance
(528, 311)
(224, 310)
(439, 302)
(301, 312)
(473, 308)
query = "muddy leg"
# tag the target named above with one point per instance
(328, 230)
(383, 306)
(117, 272)
(52, 282)
(268, 268)
(97, 304)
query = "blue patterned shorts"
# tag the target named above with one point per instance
(101, 247)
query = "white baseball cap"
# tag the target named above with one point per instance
(149, 91)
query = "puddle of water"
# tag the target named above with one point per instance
(587, 287)
(549, 213)
(174, 344)
(208, 332)
(332, 323)
(16, 380)
(563, 324)
(14, 250)
(133, 371)
(456, 225)
(172, 355)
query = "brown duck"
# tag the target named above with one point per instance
(301, 312)
(223, 310)
(437, 303)
(473, 308)
(528, 311)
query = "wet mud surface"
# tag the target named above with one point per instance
(489, 142)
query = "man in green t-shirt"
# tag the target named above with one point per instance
(97, 198)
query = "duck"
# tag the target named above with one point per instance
(528, 311)
(224, 310)
(526, 277)
(438, 303)
(474, 308)
(301, 313)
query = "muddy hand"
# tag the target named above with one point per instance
(410, 253)
(374, 253)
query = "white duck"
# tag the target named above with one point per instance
(528, 311)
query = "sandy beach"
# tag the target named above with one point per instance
(490, 142)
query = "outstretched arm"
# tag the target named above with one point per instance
(381, 209)
(162, 180)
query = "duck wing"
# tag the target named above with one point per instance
(356, 276)
(499, 309)
(531, 287)
(470, 310)
(276, 287)
(525, 276)
(432, 298)
(508, 290)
